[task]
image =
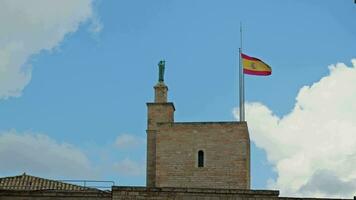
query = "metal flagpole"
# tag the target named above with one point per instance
(241, 81)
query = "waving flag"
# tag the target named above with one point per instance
(255, 66)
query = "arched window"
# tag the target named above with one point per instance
(200, 158)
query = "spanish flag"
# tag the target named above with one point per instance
(255, 66)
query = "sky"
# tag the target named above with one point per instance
(75, 77)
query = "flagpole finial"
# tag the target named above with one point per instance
(241, 36)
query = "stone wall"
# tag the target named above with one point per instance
(141, 193)
(156, 113)
(172, 149)
(135, 193)
(226, 148)
(51, 195)
(145, 193)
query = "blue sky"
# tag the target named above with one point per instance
(89, 86)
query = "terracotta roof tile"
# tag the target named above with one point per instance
(27, 182)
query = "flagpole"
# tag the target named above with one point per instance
(241, 81)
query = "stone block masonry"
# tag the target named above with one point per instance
(175, 149)
(136, 193)
(226, 148)
(139, 193)
(173, 154)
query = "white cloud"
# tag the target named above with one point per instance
(326, 183)
(29, 27)
(128, 167)
(313, 147)
(128, 141)
(37, 154)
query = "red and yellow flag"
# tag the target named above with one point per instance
(255, 66)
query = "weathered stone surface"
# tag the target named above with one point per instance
(136, 193)
(120, 193)
(161, 91)
(172, 150)
(226, 155)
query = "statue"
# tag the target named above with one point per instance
(161, 70)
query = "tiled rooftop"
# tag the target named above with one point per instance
(27, 182)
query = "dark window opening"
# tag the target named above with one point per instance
(200, 158)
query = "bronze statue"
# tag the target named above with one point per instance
(161, 70)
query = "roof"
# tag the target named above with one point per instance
(27, 182)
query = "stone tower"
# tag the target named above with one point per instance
(194, 154)
(160, 111)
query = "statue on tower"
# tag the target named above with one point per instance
(161, 70)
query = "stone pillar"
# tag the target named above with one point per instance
(160, 111)
(161, 91)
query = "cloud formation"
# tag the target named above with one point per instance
(129, 141)
(313, 147)
(38, 154)
(324, 182)
(29, 27)
(128, 167)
